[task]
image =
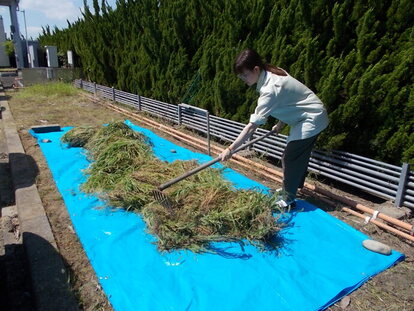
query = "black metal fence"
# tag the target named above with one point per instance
(378, 178)
(32, 76)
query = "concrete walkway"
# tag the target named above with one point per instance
(48, 274)
(15, 287)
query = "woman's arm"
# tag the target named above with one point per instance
(245, 133)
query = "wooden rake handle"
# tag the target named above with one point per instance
(210, 163)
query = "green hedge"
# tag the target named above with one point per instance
(358, 56)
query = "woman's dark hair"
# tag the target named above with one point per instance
(249, 58)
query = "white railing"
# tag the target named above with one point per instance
(378, 178)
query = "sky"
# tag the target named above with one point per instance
(45, 12)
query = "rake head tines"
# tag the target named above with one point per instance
(161, 198)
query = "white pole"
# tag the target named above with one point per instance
(14, 29)
(29, 62)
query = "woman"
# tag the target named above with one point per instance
(292, 103)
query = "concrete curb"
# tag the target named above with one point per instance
(51, 289)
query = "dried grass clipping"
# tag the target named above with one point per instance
(207, 209)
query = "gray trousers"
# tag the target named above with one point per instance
(295, 162)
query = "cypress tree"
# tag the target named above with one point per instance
(357, 55)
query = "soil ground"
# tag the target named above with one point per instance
(392, 289)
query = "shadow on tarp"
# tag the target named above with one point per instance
(274, 245)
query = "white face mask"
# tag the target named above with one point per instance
(250, 77)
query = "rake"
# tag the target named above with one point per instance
(166, 202)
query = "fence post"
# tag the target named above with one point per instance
(81, 84)
(94, 88)
(113, 94)
(208, 132)
(139, 102)
(179, 114)
(399, 198)
(250, 148)
(49, 73)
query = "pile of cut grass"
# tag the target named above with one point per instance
(206, 209)
(79, 136)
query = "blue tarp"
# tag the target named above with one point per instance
(322, 258)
